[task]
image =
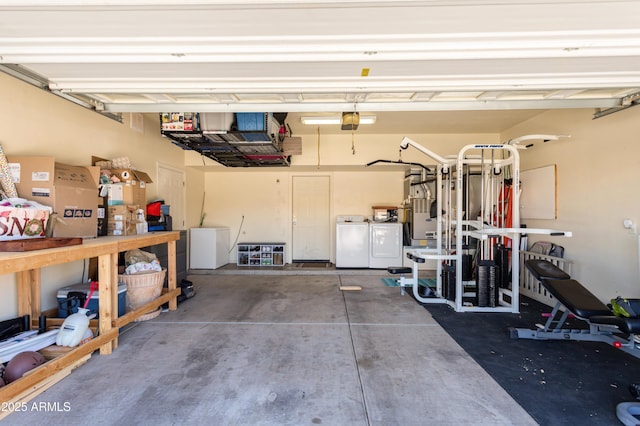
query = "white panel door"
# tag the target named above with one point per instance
(171, 189)
(311, 228)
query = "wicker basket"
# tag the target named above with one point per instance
(142, 288)
(151, 315)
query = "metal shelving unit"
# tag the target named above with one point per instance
(256, 145)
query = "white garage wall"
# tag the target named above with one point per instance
(264, 199)
(263, 196)
(598, 172)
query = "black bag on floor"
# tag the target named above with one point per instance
(187, 291)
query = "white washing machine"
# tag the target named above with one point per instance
(352, 242)
(385, 244)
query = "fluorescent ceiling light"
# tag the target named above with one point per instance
(321, 120)
(335, 119)
(367, 119)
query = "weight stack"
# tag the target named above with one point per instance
(486, 284)
(449, 281)
(501, 255)
(467, 269)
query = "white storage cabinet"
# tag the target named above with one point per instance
(209, 247)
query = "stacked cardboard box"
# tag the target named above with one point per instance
(121, 220)
(72, 192)
(124, 198)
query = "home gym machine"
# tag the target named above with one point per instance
(478, 229)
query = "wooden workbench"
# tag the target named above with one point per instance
(27, 267)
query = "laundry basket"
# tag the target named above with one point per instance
(142, 288)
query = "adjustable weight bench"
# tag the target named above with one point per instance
(402, 281)
(413, 280)
(576, 299)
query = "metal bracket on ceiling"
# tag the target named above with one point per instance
(625, 102)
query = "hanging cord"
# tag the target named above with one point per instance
(353, 137)
(202, 213)
(318, 147)
(84, 268)
(353, 141)
(237, 236)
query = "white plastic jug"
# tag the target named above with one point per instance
(142, 226)
(74, 328)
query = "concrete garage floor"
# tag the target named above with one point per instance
(282, 350)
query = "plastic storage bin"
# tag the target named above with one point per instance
(251, 121)
(66, 308)
(216, 121)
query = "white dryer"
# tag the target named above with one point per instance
(352, 242)
(385, 244)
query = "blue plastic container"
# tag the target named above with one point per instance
(65, 309)
(250, 121)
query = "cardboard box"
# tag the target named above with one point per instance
(292, 146)
(130, 190)
(121, 220)
(124, 193)
(72, 192)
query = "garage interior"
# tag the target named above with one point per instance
(284, 345)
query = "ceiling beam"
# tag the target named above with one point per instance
(349, 106)
(626, 102)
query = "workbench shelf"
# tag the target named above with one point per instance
(261, 254)
(27, 267)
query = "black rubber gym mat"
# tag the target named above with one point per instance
(557, 382)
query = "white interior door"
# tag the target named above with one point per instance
(171, 188)
(311, 234)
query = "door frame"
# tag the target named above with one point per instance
(161, 165)
(292, 176)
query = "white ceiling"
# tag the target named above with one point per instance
(503, 60)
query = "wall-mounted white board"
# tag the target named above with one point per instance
(538, 197)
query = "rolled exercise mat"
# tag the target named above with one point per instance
(8, 187)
